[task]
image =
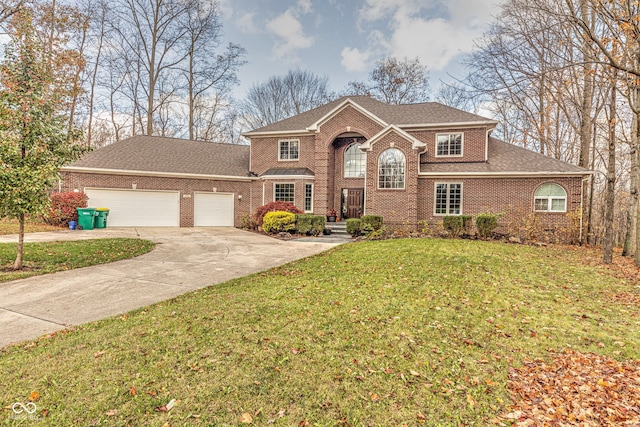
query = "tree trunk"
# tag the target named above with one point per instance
(630, 239)
(586, 108)
(191, 95)
(610, 192)
(17, 265)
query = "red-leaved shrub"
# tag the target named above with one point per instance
(63, 207)
(273, 207)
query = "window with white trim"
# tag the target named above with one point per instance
(308, 197)
(289, 149)
(284, 192)
(449, 144)
(448, 198)
(391, 168)
(355, 162)
(550, 197)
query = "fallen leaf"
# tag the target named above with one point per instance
(132, 391)
(111, 412)
(44, 412)
(470, 400)
(98, 354)
(414, 373)
(246, 418)
(34, 396)
(374, 397)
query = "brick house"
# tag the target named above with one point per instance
(355, 155)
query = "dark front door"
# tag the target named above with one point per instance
(354, 202)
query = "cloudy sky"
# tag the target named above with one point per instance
(342, 39)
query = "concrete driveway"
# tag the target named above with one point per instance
(184, 259)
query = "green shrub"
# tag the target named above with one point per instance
(310, 224)
(279, 221)
(317, 224)
(353, 226)
(303, 223)
(486, 224)
(371, 222)
(455, 225)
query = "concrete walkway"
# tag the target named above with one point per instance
(185, 259)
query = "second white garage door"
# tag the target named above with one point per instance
(212, 210)
(135, 208)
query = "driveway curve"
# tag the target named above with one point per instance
(184, 259)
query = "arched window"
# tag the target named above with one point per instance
(355, 162)
(391, 164)
(550, 197)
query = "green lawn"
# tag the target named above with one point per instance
(373, 333)
(49, 257)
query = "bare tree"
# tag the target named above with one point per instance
(395, 81)
(153, 33)
(206, 70)
(8, 8)
(281, 97)
(617, 21)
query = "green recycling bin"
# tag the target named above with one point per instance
(85, 218)
(101, 217)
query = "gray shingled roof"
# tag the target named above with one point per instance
(288, 172)
(399, 115)
(504, 157)
(159, 154)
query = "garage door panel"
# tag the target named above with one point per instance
(137, 208)
(213, 210)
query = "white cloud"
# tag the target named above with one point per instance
(435, 42)
(353, 59)
(246, 23)
(291, 33)
(304, 6)
(225, 7)
(435, 31)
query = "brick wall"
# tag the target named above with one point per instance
(513, 196)
(396, 205)
(269, 185)
(473, 146)
(265, 151)
(186, 186)
(328, 171)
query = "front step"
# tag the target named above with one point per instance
(337, 227)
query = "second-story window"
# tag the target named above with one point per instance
(449, 144)
(289, 149)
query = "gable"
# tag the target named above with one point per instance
(415, 143)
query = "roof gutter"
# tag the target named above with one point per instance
(287, 177)
(79, 169)
(301, 132)
(503, 174)
(313, 128)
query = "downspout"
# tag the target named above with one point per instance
(263, 191)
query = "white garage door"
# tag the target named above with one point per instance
(212, 210)
(128, 208)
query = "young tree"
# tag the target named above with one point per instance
(35, 139)
(395, 81)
